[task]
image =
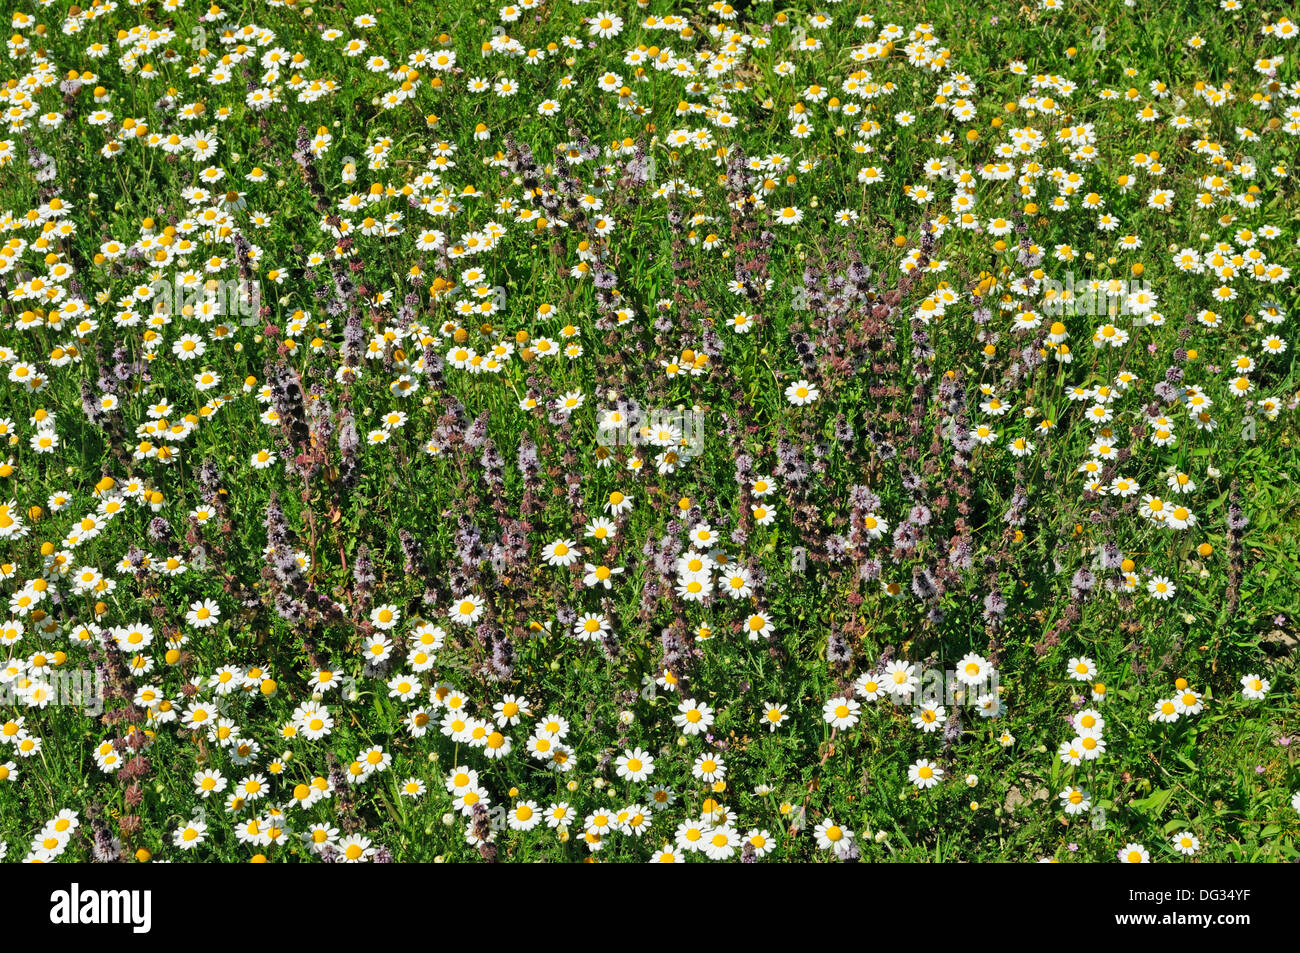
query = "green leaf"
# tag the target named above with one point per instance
(1155, 803)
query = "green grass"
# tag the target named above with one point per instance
(1227, 774)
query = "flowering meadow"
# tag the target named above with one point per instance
(649, 431)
